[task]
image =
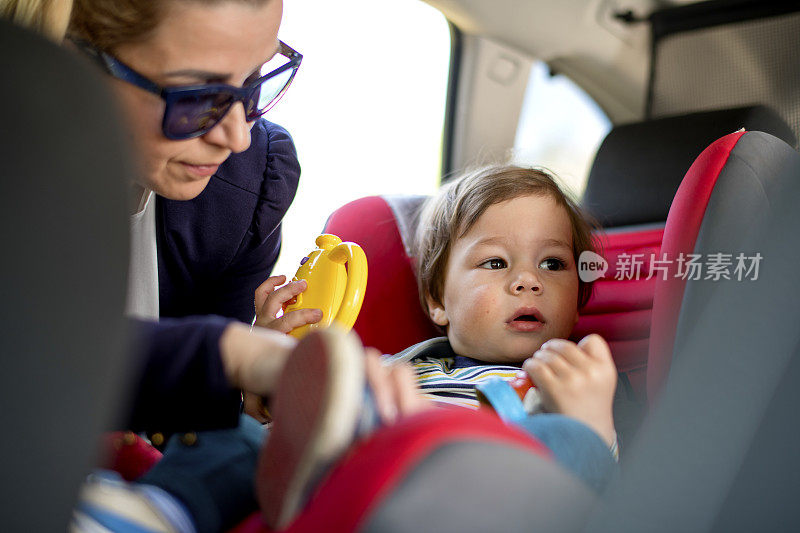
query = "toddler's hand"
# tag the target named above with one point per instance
(269, 301)
(394, 387)
(577, 380)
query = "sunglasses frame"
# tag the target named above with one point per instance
(171, 95)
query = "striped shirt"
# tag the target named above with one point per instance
(445, 377)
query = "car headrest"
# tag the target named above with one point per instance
(728, 190)
(639, 166)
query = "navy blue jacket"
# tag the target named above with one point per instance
(213, 251)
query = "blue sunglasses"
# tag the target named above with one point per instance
(193, 110)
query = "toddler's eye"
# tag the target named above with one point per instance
(493, 264)
(552, 263)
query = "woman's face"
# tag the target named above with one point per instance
(195, 44)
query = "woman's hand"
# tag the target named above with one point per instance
(253, 360)
(269, 300)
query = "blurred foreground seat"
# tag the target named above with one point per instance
(65, 244)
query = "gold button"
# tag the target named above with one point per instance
(189, 439)
(129, 438)
(157, 439)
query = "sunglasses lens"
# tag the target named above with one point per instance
(192, 112)
(190, 116)
(267, 94)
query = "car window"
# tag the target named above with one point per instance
(366, 109)
(560, 128)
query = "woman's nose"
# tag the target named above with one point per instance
(526, 281)
(233, 131)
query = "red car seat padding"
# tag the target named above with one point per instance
(680, 234)
(620, 309)
(391, 317)
(128, 454)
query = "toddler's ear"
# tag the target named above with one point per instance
(436, 312)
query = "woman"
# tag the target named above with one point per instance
(188, 74)
(215, 183)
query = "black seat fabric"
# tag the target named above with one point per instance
(639, 167)
(65, 246)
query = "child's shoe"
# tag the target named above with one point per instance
(318, 408)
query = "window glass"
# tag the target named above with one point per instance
(366, 109)
(560, 128)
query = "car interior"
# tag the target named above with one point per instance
(691, 165)
(702, 159)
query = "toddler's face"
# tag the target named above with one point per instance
(511, 282)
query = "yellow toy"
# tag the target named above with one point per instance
(339, 292)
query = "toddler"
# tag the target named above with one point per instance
(497, 254)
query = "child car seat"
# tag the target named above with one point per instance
(631, 185)
(718, 451)
(727, 190)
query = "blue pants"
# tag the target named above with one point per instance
(214, 477)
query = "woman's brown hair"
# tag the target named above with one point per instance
(107, 24)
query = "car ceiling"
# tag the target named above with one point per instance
(580, 38)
